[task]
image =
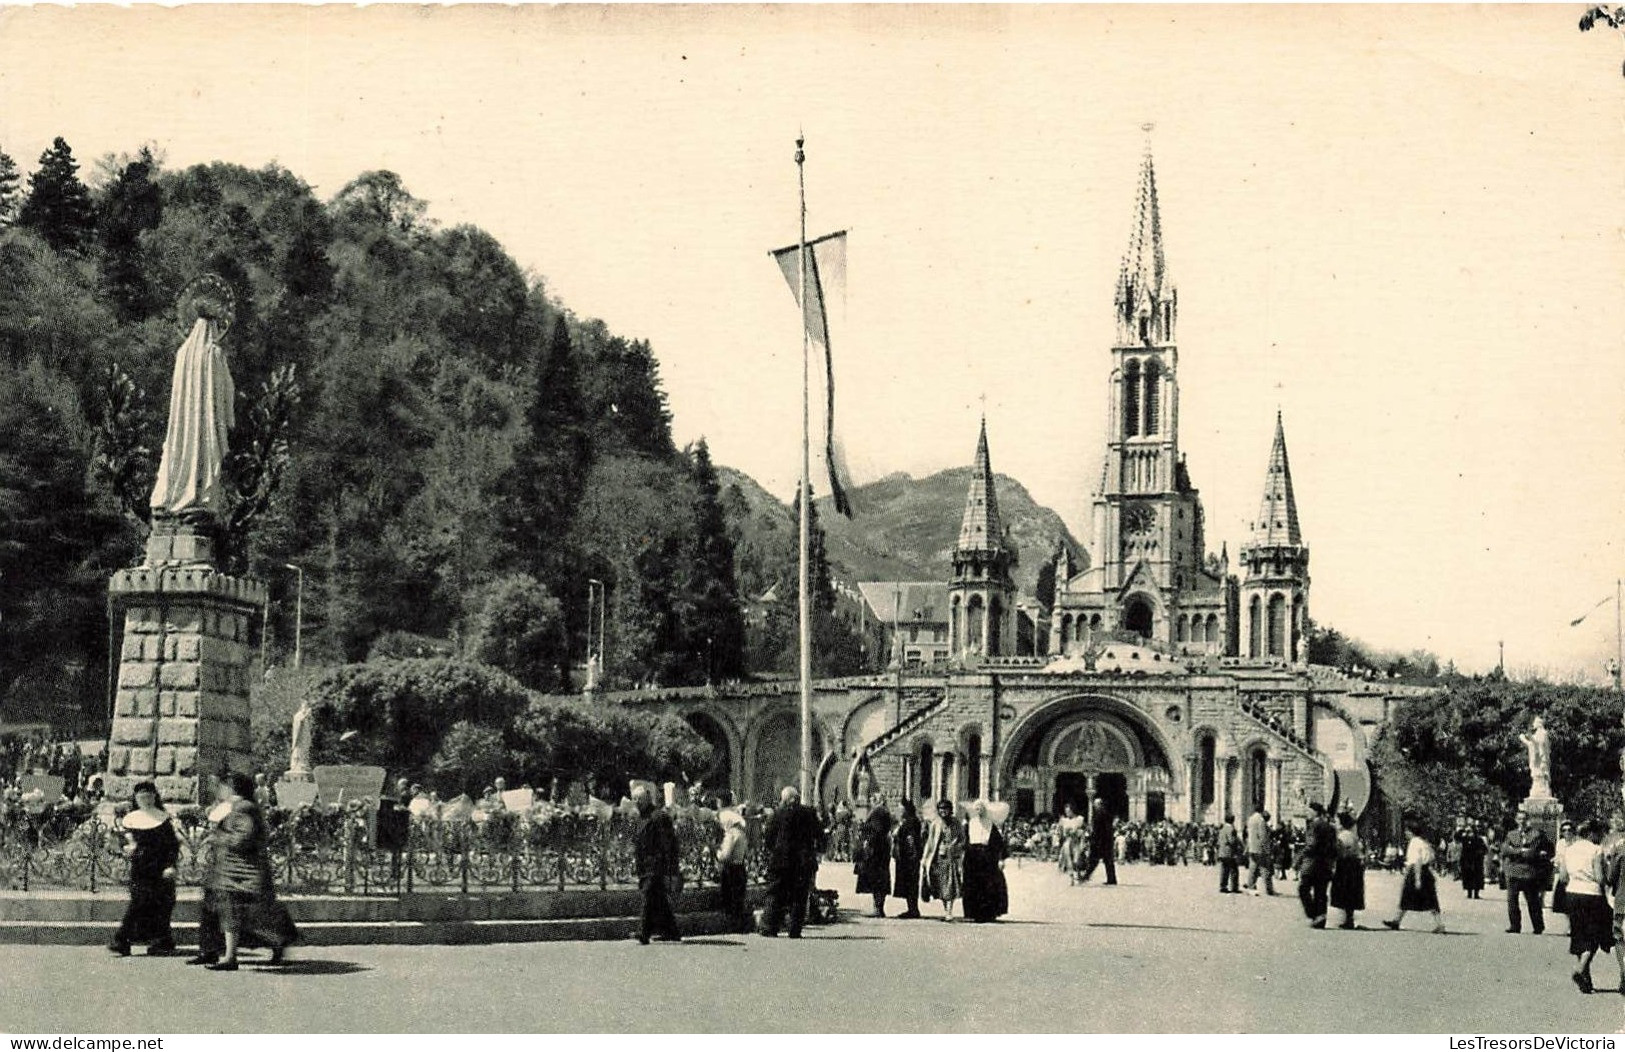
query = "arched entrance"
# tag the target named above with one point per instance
(1138, 616)
(1082, 749)
(775, 756)
(719, 775)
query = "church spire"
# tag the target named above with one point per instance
(1277, 522)
(981, 530)
(1145, 298)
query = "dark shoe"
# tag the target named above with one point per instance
(118, 949)
(795, 935)
(202, 958)
(1539, 931)
(161, 950)
(223, 966)
(1391, 925)
(1583, 981)
(1514, 931)
(643, 940)
(1347, 926)
(764, 933)
(909, 915)
(278, 953)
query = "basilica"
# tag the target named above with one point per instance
(1158, 677)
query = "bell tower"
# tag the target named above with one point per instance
(1275, 567)
(981, 598)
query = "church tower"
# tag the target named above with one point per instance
(1275, 565)
(981, 598)
(1151, 578)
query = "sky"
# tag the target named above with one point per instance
(1400, 226)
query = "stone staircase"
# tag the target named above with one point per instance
(1275, 726)
(933, 702)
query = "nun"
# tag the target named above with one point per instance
(987, 897)
(154, 848)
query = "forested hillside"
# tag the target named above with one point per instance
(445, 450)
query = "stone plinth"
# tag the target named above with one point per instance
(1545, 813)
(181, 708)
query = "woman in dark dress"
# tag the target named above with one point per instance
(241, 878)
(1348, 874)
(1474, 850)
(907, 844)
(871, 858)
(986, 895)
(153, 847)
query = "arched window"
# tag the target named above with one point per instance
(1255, 627)
(1207, 772)
(1153, 397)
(1138, 617)
(995, 628)
(925, 771)
(1257, 762)
(1277, 625)
(1131, 399)
(1066, 632)
(1182, 631)
(973, 766)
(973, 625)
(1213, 628)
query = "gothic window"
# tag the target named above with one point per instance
(974, 625)
(1213, 628)
(1257, 762)
(1131, 399)
(1206, 771)
(995, 633)
(973, 766)
(1182, 629)
(1277, 626)
(925, 770)
(1066, 631)
(1153, 397)
(1255, 627)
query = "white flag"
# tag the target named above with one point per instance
(826, 282)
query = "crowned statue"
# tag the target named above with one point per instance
(190, 487)
(1540, 761)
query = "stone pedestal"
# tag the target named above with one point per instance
(181, 709)
(1545, 813)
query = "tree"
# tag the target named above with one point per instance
(132, 204)
(718, 624)
(519, 629)
(1610, 15)
(60, 538)
(10, 190)
(470, 757)
(58, 205)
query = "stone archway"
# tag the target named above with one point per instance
(1139, 617)
(720, 774)
(1088, 747)
(775, 755)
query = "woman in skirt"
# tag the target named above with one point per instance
(942, 867)
(1419, 893)
(1591, 922)
(1348, 877)
(1074, 853)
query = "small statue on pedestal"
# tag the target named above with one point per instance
(1540, 761)
(299, 742)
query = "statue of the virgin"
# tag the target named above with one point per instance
(189, 486)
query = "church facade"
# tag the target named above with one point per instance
(1170, 685)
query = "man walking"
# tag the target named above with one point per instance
(1102, 842)
(1230, 853)
(1260, 851)
(1315, 869)
(1526, 859)
(792, 841)
(655, 846)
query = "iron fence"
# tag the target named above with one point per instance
(335, 852)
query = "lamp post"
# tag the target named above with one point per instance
(298, 618)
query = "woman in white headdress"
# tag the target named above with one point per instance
(987, 897)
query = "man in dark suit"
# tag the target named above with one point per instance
(1526, 860)
(793, 838)
(1315, 868)
(1102, 842)
(655, 845)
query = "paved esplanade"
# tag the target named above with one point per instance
(1161, 952)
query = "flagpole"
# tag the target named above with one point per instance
(806, 492)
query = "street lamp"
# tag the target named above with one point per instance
(298, 618)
